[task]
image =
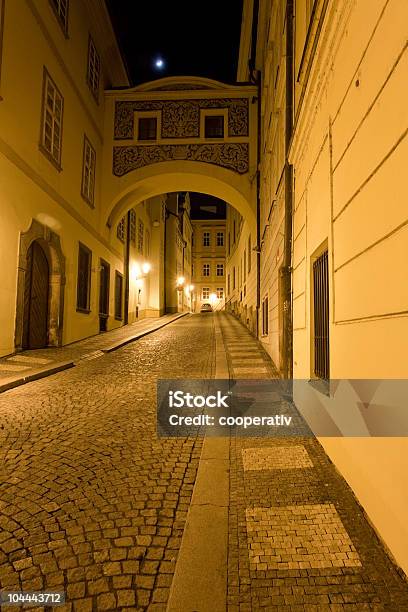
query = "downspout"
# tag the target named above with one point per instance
(127, 254)
(286, 270)
(255, 77)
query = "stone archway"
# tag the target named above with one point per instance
(50, 243)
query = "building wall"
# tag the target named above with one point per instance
(32, 187)
(348, 151)
(210, 255)
(241, 269)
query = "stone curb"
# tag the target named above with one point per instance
(200, 580)
(36, 375)
(65, 365)
(145, 332)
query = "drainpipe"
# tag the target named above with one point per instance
(127, 253)
(286, 270)
(255, 77)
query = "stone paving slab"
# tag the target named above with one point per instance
(298, 539)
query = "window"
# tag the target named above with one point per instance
(206, 239)
(147, 243)
(220, 293)
(249, 254)
(52, 114)
(132, 228)
(147, 128)
(214, 126)
(118, 295)
(220, 238)
(140, 232)
(120, 230)
(60, 8)
(321, 316)
(228, 284)
(265, 316)
(206, 293)
(94, 68)
(206, 269)
(84, 278)
(88, 172)
(220, 269)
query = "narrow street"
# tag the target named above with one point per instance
(94, 504)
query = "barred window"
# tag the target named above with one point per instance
(94, 68)
(132, 229)
(52, 114)
(220, 293)
(120, 230)
(205, 293)
(147, 243)
(84, 278)
(206, 238)
(60, 8)
(118, 295)
(220, 269)
(88, 172)
(265, 316)
(140, 232)
(220, 238)
(206, 269)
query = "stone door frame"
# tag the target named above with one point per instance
(50, 243)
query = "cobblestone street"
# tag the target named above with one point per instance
(93, 504)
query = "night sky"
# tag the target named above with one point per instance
(193, 37)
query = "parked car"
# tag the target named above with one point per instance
(206, 308)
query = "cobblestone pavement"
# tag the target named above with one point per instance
(91, 502)
(298, 539)
(25, 362)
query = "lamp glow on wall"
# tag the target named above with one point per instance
(137, 271)
(213, 298)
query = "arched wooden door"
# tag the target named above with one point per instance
(37, 280)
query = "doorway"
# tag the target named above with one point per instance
(36, 298)
(104, 280)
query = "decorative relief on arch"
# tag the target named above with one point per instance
(181, 118)
(233, 156)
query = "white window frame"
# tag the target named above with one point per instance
(61, 12)
(205, 293)
(147, 115)
(93, 73)
(211, 112)
(206, 269)
(205, 236)
(52, 117)
(88, 172)
(219, 266)
(220, 293)
(220, 239)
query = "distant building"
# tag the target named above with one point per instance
(209, 264)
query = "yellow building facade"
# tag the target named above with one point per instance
(333, 214)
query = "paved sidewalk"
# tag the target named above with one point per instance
(27, 366)
(298, 539)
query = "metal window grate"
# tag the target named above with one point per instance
(321, 316)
